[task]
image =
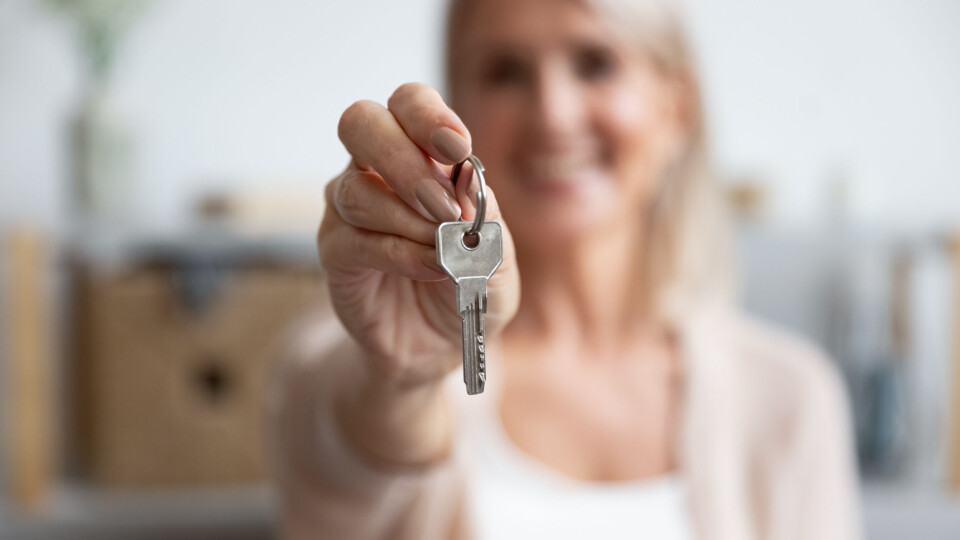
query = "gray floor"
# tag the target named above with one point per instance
(82, 514)
(890, 513)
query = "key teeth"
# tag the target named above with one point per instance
(477, 388)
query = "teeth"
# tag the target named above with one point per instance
(558, 167)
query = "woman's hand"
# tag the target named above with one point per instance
(377, 238)
(377, 245)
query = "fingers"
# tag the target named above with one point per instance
(503, 288)
(363, 200)
(346, 248)
(386, 205)
(430, 124)
(390, 255)
(375, 140)
(367, 226)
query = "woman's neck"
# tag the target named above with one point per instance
(585, 294)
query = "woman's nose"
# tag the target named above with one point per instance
(558, 107)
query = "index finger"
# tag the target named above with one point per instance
(375, 140)
(430, 123)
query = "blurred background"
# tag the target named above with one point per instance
(161, 174)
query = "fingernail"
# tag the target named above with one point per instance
(451, 144)
(437, 200)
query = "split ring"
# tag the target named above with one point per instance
(481, 194)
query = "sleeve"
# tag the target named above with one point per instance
(829, 505)
(325, 490)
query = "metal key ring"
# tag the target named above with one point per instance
(481, 195)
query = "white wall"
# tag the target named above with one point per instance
(249, 91)
(244, 91)
(804, 91)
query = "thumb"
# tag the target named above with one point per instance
(503, 288)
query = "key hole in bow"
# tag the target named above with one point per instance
(470, 241)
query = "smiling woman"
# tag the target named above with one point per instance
(626, 396)
(588, 116)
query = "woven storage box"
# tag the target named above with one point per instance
(172, 374)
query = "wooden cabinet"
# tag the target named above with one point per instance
(172, 365)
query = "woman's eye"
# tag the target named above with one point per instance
(594, 64)
(505, 72)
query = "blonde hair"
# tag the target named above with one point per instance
(688, 244)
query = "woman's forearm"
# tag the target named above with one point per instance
(387, 423)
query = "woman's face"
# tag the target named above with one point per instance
(573, 125)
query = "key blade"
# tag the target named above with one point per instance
(471, 292)
(474, 352)
(481, 376)
(459, 261)
(470, 268)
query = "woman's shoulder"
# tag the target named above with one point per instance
(790, 414)
(784, 383)
(777, 357)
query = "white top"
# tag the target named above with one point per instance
(764, 445)
(511, 495)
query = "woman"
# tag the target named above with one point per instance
(625, 396)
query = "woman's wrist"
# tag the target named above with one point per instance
(389, 423)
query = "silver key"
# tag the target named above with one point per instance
(470, 268)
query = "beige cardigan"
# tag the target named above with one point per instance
(765, 446)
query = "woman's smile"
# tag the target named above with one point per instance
(561, 172)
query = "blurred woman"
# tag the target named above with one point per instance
(626, 396)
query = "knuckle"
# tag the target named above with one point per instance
(356, 115)
(327, 219)
(408, 92)
(427, 113)
(329, 191)
(402, 258)
(325, 246)
(393, 249)
(330, 237)
(348, 196)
